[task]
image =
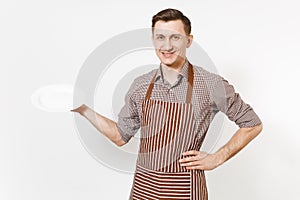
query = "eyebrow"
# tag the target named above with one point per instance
(158, 34)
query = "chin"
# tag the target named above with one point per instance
(168, 61)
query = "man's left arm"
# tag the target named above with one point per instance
(238, 141)
(230, 103)
(205, 161)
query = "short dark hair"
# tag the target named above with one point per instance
(172, 14)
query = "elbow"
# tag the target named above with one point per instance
(120, 142)
(117, 139)
(253, 131)
(257, 129)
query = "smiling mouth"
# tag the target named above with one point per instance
(168, 54)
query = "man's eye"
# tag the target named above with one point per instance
(160, 37)
(176, 37)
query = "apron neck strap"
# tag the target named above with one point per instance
(190, 85)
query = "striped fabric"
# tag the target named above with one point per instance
(152, 184)
(164, 139)
(168, 129)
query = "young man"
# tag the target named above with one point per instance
(174, 106)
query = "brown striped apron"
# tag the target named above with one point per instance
(167, 130)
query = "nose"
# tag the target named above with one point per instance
(167, 45)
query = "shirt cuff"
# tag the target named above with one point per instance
(125, 137)
(249, 119)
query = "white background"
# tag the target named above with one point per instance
(254, 44)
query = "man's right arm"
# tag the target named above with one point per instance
(104, 125)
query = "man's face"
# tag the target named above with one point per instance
(170, 42)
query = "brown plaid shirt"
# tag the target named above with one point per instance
(211, 93)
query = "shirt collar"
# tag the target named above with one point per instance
(183, 72)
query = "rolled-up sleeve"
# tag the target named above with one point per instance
(230, 103)
(128, 118)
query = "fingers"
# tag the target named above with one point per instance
(195, 155)
(74, 110)
(195, 161)
(192, 152)
(199, 164)
(192, 163)
(79, 109)
(197, 167)
(189, 159)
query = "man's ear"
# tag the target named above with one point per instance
(189, 41)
